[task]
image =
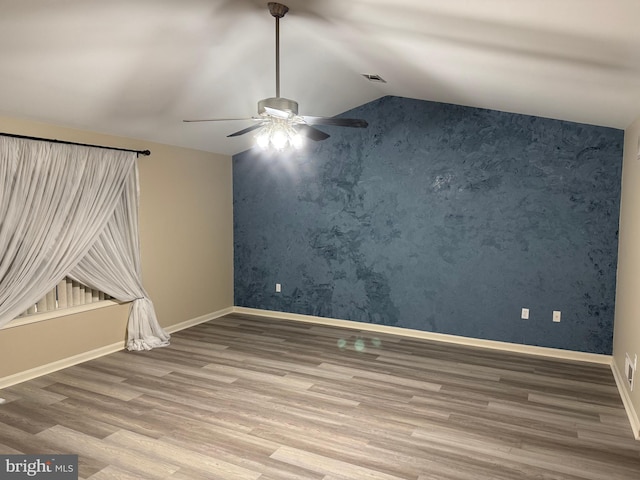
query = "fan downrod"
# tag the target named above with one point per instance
(277, 10)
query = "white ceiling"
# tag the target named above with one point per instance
(136, 68)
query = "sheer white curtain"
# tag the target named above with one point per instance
(71, 210)
(113, 267)
(55, 200)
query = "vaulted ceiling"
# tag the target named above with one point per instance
(137, 68)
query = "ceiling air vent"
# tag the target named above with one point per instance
(374, 77)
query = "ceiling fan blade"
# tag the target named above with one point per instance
(245, 130)
(338, 122)
(220, 119)
(274, 112)
(312, 133)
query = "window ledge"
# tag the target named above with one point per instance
(63, 312)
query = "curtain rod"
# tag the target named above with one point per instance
(139, 152)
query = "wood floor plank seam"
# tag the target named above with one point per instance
(256, 398)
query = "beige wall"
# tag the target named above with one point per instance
(626, 336)
(38, 344)
(186, 234)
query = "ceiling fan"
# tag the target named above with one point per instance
(278, 116)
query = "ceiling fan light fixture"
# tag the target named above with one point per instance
(297, 141)
(262, 139)
(279, 139)
(279, 135)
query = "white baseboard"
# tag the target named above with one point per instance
(440, 337)
(509, 347)
(59, 365)
(98, 352)
(623, 388)
(198, 320)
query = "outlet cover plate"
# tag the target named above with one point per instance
(630, 369)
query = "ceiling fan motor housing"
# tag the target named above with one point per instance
(278, 103)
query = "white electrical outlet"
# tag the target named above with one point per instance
(278, 288)
(630, 369)
(556, 315)
(525, 314)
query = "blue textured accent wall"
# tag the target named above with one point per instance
(441, 218)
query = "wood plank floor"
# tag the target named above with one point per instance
(252, 398)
